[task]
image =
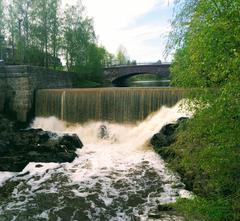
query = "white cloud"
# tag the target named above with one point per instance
(115, 23)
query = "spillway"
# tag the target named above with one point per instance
(121, 105)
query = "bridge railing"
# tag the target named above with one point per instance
(134, 64)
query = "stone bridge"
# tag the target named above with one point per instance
(118, 74)
(19, 83)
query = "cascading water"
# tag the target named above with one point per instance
(121, 105)
(116, 176)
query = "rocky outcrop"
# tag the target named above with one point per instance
(167, 135)
(162, 144)
(18, 147)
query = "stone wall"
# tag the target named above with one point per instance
(120, 72)
(19, 83)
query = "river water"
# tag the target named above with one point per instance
(116, 176)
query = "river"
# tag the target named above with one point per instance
(116, 177)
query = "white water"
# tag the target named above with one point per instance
(115, 177)
(4, 176)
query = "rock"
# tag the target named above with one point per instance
(44, 136)
(103, 132)
(6, 190)
(33, 153)
(159, 140)
(167, 134)
(169, 129)
(135, 218)
(71, 141)
(3, 147)
(182, 119)
(18, 147)
(165, 207)
(154, 215)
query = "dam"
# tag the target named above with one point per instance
(116, 175)
(117, 105)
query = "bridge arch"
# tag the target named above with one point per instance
(119, 74)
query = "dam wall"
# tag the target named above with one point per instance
(18, 85)
(117, 105)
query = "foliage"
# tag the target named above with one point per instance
(206, 37)
(122, 57)
(80, 49)
(2, 25)
(202, 209)
(39, 33)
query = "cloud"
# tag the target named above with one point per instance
(116, 23)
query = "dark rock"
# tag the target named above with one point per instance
(33, 153)
(71, 141)
(39, 165)
(44, 136)
(18, 147)
(164, 207)
(159, 140)
(103, 132)
(6, 190)
(154, 215)
(182, 119)
(3, 147)
(167, 134)
(135, 218)
(169, 129)
(63, 156)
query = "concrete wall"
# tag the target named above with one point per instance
(19, 83)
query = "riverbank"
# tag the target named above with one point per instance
(19, 146)
(211, 174)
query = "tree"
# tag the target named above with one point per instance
(45, 28)
(122, 57)
(205, 38)
(2, 29)
(12, 28)
(55, 29)
(21, 8)
(78, 36)
(37, 33)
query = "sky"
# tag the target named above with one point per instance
(141, 26)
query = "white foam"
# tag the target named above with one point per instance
(186, 194)
(4, 176)
(108, 171)
(128, 136)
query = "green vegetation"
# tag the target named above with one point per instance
(206, 40)
(146, 77)
(39, 33)
(122, 57)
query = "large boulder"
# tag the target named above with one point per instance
(19, 147)
(167, 135)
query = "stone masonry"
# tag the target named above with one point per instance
(19, 83)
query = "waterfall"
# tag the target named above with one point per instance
(116, 176)
(122, 105)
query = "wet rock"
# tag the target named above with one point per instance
(3, 146)
(165, 207)
(18, 147)
(71, 141)
(154, 215)
(44, 136)
(103, 132)
(167, 135)
(135, 218)
(6, 190)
